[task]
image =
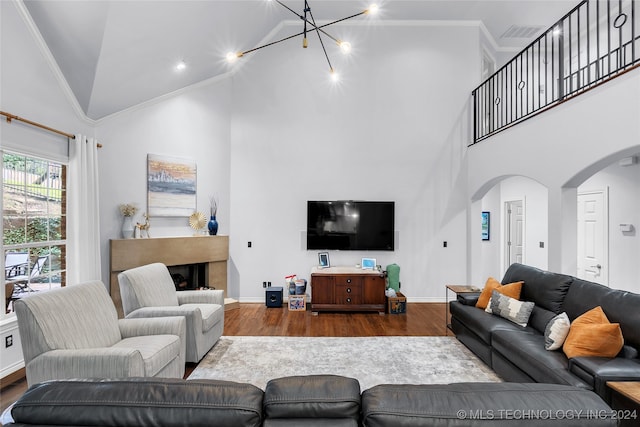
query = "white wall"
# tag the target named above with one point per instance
(623, 183)
(490, 250)
(560, 150)
(534, 198)
(193, 125)
(394, 130)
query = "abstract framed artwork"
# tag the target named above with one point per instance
(486, 225)
(171, 186)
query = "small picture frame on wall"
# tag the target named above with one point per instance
(486, 225)
(323, 260)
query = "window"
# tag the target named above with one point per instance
(34, 225)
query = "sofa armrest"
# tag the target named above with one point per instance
(605, 369)
(468, 298)
(135, 327)
(211, 296)
(104, 362)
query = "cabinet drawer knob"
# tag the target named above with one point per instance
(348, 290)
(348, 280)
(348, 299)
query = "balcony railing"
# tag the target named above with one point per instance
(595, 42)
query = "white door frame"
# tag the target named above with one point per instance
(604, 272)
(506, 236)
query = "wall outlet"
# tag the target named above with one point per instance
(264, 284)
(8, 341)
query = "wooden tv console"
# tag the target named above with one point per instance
(347, 289)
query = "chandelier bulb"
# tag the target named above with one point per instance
(334, 76)
(345, 47)
(233, 56)
(305, 43)
(373, 9)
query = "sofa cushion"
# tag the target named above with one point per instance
(540, 318)
(591, 334)
(556, 332)
(525, 349)
(482, 404)
(511, 309)
(157, 350)
(313, 396)
(510, 289)
(140, 401)
(544, 288)
(619, 306)
(480, 322)
(76, 317)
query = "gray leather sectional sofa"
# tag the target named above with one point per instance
(517, 354)
(314, 401)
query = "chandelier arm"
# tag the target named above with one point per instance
(272, 43)
(290, 10)
(316, 27)
(321, 42)
(320, 27)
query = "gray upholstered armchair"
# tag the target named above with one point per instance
(74, 332)
(149, 291)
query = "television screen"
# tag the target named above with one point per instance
(350, 225)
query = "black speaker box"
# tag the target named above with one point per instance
(274, 296)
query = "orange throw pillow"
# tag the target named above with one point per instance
(511, 290)
(591, 334)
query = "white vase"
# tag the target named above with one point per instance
(127, 228)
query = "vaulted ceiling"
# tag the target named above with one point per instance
(117, 54)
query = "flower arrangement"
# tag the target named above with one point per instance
(128, 209)
(213, 203)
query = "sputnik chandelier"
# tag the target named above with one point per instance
(310, 26)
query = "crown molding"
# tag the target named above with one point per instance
(53, 65)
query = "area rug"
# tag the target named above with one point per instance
(371, 360)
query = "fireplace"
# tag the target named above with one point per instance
(189, 276)
(202, 258)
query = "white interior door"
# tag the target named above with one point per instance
(593, 236)
(514, 232)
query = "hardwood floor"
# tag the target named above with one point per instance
(421, 319)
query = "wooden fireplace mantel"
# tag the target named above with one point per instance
(171, 251)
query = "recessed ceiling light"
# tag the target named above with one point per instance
(181, 66)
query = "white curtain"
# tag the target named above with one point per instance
(83, 216)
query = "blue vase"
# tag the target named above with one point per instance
(213, 226)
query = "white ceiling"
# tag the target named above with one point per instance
(117, 54)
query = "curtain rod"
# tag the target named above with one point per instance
(36, 124)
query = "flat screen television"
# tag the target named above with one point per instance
(350, 225)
